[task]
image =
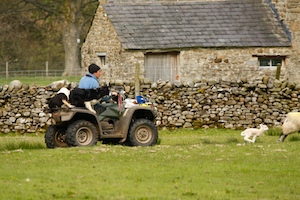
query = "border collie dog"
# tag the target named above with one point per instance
(61, 98)
(87, 97)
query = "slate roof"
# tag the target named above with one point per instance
(231, 23)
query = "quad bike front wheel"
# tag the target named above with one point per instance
(82, 133)
(55, 137)
(142, 132)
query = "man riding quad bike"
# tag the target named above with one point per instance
(113, 122)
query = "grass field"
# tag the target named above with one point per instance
(187, 164)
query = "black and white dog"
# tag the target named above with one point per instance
(77, 98)
(61, 98)
(87, 97)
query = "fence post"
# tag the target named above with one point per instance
(137, 79)
(47, 69)
(6, 70)
(278, 71)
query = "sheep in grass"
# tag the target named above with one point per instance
(290, 125)
(254, 133)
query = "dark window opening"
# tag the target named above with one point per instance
(270, 61)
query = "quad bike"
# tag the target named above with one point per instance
(112, 123)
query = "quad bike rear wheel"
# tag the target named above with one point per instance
(55, 137)
(82, 133)
(142, 132)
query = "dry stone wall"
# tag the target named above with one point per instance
(234, 105)
(223, 104)
(22, 109)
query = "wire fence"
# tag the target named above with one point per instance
(30, 73)
(17, 69)
(38, 73)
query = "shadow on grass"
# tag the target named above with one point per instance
(231, 140)
(10, 146)
(275, 131)
(294, 138)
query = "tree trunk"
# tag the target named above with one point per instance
(68, 16)
(71, 34)
(72, 50)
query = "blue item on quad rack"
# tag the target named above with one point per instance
(140, 99)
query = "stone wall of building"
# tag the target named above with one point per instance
(228, 64)
(289, 12)
(102, 38)
(196, 64)
(223, 104)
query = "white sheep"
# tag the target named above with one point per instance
(254, 133)
(290, 125)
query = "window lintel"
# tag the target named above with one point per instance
(270, 55)
(101, 54)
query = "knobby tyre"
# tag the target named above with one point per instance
(82, 133)
(142, 132)
(55, 137)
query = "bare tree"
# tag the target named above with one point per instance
(71, 16)
(20, 37)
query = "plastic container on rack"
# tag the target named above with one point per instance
(140, 99)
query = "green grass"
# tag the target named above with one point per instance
(38, 81)
(10, 142)
(187, 164)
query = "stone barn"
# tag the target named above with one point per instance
(190, 40)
